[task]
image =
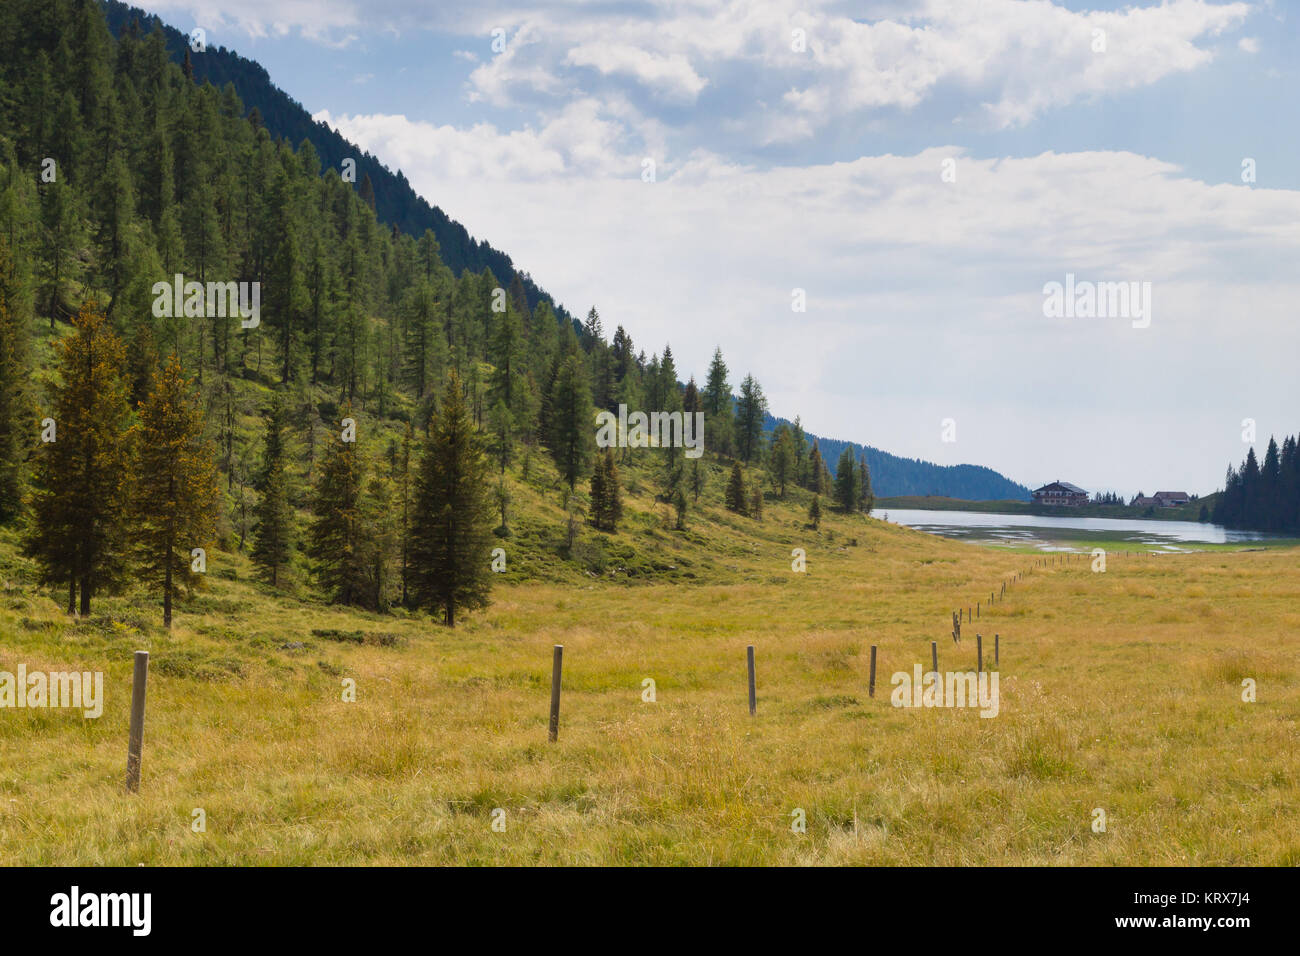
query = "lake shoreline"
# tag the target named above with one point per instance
(1077, 531)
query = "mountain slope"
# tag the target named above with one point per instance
(397, 204)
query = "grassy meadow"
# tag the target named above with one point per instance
(1119, 690)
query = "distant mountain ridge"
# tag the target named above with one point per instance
(894, 476)
(398, 205)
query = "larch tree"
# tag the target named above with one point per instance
(77, 533)
(175, 486)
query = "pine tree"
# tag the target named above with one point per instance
(846, 481)
(716, 398)
(572, 419)
(404, 491)
(816, 472)
(783, 459)
(735, 495)
(596, 492)
(751, 408)
(815, 512)
(16, 421)
(175, 485)
(273, 533)
(506, 352)
(866, 497)
(453, 513)
(606, 493)
(337, 537)
(78, 532)
(60, 237)
(756, 500)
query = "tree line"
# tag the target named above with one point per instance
(1263, 497)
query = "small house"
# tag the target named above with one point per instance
(1060, 494)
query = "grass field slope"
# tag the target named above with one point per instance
(1120, 691)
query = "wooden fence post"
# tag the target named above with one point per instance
(979, 653)
(135, 740)
(753, 692)
(557, 664)
(995, 650)
(871, 686)
(934, 656)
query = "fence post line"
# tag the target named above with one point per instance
(871, 686)
(135, 741)
(753, 691)
(557, 666)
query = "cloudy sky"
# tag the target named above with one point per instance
(920, 170)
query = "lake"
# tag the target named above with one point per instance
(1053, 533)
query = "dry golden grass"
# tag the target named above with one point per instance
(1119, 690)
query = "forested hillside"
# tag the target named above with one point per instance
(394, 201)
(211, 342)
(397, 204)
(894, 476)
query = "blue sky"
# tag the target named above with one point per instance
(1114, 156)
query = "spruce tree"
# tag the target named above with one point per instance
(751, 408)
(846, 481)
(606, 493)
(866, 497)
(815, 512)
(716, 399)
(336, 537)
(816, 470)
(735, 495)
(450, 556)
(783, 459)
(572, 419)
(175, 485)
(273, 532)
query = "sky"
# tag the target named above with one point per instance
(917, 174)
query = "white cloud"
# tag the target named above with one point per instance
(1009, 61)
(1248, 44)
(671, 76)
(925, 297)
